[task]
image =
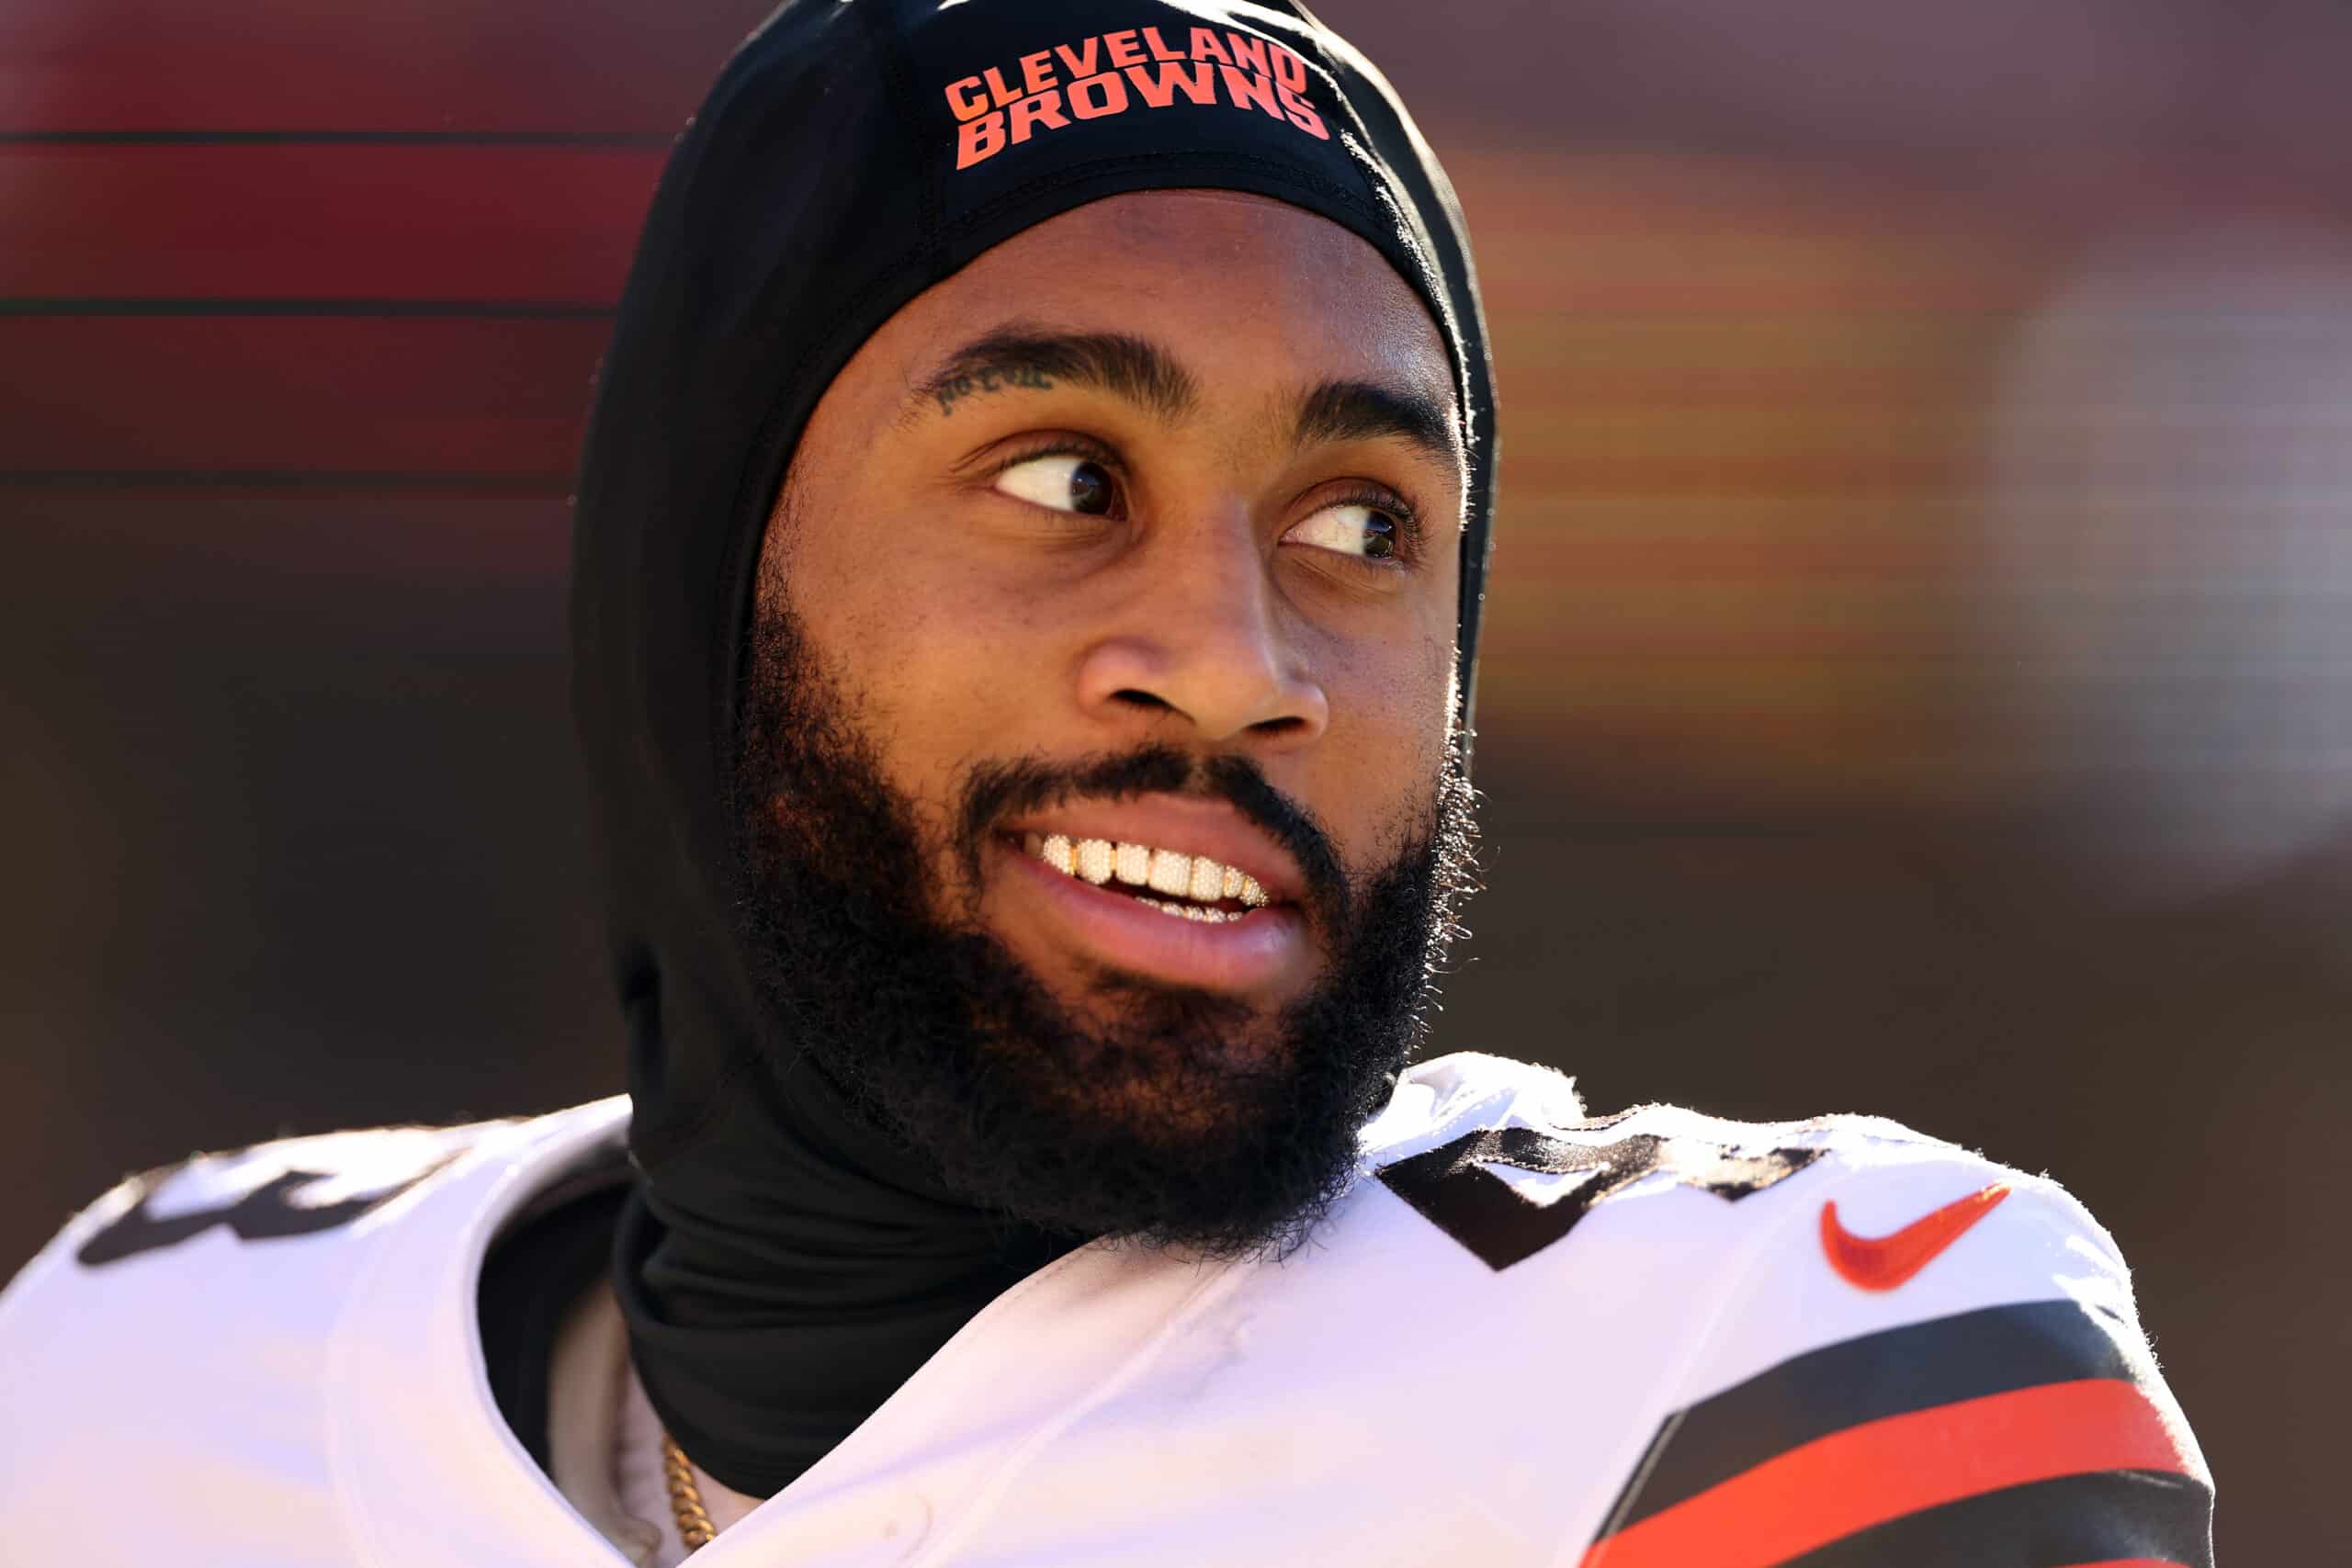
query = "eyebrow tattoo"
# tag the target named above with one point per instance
(1356, 411)
(1131, 367)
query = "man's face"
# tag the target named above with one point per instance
(1142, 531)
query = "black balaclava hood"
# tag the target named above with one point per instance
(783, 1265)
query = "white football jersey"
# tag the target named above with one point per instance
(1523, 1337)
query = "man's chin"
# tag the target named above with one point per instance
(1196, 1086)
(1147, 1112)
(1092, 1103)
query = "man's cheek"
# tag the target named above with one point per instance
(988, 911)
(962, 878)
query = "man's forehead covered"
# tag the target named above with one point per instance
(1156, 377)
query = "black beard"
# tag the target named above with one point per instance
(1190, 1120)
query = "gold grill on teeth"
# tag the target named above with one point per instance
(1196, 877)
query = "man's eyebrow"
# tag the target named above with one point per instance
(1357, 410)
(1131, 367)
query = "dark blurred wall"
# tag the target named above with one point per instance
(1795, 800)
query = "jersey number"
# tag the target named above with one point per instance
(1484, 1213)
(266, 1214)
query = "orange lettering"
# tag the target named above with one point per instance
(1249, 51)
(1289, 68)
(1044, 109)
(1037, 71)
(1301, 114)
(1159, 91)
(965, 97)
(1247, 87)
(1123, 46)
(1080, 64)
(999, 88)
(979, 139)
(1108, 88)
(1205, 46)
(1160, 50)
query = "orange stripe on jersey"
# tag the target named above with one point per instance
(1882, 1469)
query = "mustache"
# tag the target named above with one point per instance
(995, 790)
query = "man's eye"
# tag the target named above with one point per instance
(1064, 482)
(1351, 530)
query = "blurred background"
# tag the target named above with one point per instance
(1919, 666)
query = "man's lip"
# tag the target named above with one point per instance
(1185, 824)
(1264, 951)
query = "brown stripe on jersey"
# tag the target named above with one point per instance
(2077, 1521)
(1942, 1360)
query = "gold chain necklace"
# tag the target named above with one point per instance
(695, 1528)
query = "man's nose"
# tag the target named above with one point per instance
(1201, 634)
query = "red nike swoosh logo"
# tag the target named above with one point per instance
(1882, 1263)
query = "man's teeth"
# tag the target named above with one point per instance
(1200, 912)
(1203, 880)
(1196, 877)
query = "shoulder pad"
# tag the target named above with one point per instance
(271, 1191)
(184, 1329)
